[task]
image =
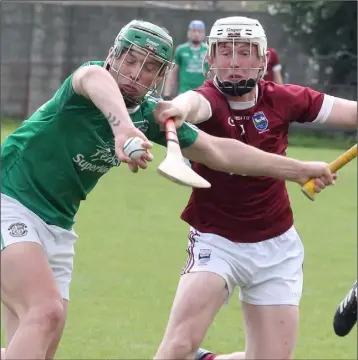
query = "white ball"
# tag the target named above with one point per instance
(133, 148)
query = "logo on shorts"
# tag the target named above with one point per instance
(18, 229)
(204, 256)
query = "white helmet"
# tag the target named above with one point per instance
(239, 29)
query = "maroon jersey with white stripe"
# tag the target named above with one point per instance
(246, 208)
(272, 64)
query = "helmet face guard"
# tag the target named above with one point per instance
(236, 30)
(153, 43)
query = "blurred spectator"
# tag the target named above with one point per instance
(274, 67)
(187, 73)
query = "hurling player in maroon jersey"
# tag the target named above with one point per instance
(273, 71)
(242, 232)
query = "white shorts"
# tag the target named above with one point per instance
(19, 224)
(267, 273)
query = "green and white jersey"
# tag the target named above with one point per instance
(190, 61)
(57, 156)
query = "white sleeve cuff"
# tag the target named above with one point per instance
(326, 108)
(277, 67)
(209, 108)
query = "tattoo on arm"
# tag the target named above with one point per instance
(113, 120)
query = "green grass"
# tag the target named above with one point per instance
(324, 140)
(132, 247)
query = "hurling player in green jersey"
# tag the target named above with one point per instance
(188, 57)
(57, 156)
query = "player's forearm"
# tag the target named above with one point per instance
(277, 77)
(99, 86)
(232, 156)
(196, 107)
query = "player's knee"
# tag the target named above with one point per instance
(183, 345)
(279, 353)
(46, 315)
(284, 354)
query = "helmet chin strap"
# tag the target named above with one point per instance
(130, 102)
(237, 88)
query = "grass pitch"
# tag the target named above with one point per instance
(132, 246)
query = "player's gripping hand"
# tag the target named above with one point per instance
(320, 172)
(121, 137)
(146, 157)
(168, 109)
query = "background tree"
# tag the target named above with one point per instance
(328, 31)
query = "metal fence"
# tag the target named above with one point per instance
(41, 44)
